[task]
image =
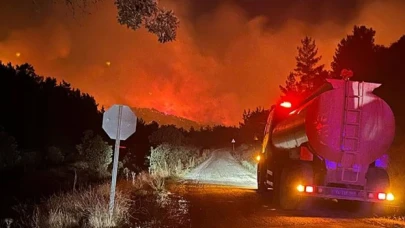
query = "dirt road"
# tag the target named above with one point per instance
(222, 194)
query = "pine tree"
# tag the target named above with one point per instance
(307, 68)
(290, 85)
(308, 74)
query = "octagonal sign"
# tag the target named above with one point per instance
(119, 120)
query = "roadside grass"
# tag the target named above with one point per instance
(245, 154)
(83, 208)
(142, 200)
(153, 205)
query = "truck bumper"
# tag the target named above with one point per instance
(346, 194)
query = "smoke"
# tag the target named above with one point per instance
(226, 58)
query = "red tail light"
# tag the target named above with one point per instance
(309, 189)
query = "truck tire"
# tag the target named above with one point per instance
(289, 199)
(377, 180)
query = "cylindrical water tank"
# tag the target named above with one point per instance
(349, 118)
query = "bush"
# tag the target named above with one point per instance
(396, 170)
(73, 209)
(55, 155)
(9, 154)
(31, 159)
(246, 156)
(154, 206)
(95, 152)
(167, 160)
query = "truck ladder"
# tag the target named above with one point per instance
(351, 129)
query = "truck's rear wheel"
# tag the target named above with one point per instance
(377, 181)
(291, 177)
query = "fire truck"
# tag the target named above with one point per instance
(332, 145)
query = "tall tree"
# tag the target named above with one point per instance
(308, 73)
(358, 53)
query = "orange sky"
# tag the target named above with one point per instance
(221, 63)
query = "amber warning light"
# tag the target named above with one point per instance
(285, 104)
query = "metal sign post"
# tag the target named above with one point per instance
(233, 145)
(115, 162)
(119, 122)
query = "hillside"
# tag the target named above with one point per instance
(149, 115)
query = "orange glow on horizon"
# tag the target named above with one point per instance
(221, 63)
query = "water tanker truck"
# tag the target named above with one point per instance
(332, 145)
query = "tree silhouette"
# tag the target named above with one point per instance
(389, 66)
(358, 53)
(55, 155)
(136, 14)
(40, 113)
(254, 122)
(167, 134)
(308, 75)
(9, 153)
(291, 85)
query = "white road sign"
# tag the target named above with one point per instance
(119, 114)
(119, 122)
(233, 140)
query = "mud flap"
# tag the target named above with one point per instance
(261, 178)
(291, 177)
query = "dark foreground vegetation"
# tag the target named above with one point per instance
(55, 159)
